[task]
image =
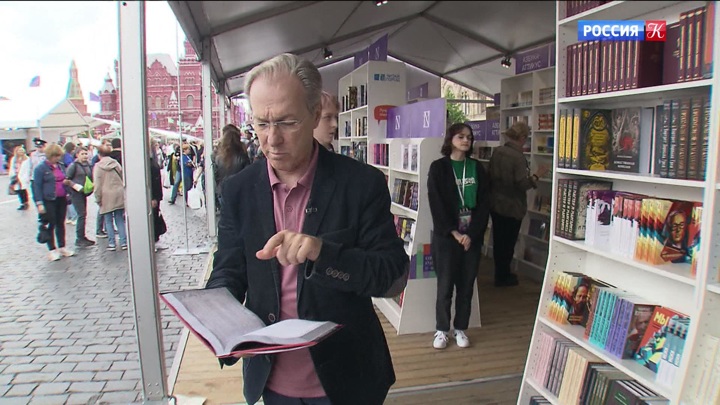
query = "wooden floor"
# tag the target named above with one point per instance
(499, 348)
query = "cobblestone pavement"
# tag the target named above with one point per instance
(67, 328)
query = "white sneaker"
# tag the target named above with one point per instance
(53, 255)
(461, 339)
(66, 252)
(441, 340)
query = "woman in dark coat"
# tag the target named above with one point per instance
(231, 158)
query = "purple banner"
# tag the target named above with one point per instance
(493, 130)
(424, 119)
(479, 129)
(378, 50)
(420, 91)
(535, 59)
(360, 58)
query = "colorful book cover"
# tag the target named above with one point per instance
(595, 139)
(694, 230)
(626, 139)
(651, 346)
(671, 233)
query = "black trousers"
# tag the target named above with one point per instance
(456, 270)
(79, 201)
(505, 235)
(55, 211)
(23, 196)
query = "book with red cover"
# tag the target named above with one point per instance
(653, 341)
(229, 329)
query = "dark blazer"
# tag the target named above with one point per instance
(360, 258)
(444, 200)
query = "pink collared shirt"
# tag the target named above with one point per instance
(293, 373)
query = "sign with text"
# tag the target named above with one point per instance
(493, 130)
(535, 59)
(420, 91)
(479, 129)
(381, 112)
(424, 119)
(376, 51)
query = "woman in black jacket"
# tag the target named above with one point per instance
(232, 157)
(458, 192)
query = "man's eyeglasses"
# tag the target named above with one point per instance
(285, 127)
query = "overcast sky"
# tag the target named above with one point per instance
(42, 38)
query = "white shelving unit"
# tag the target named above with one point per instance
(669, 285)
(525, 88)
(384, 83)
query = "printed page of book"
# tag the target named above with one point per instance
(290, 332)
(215, 315)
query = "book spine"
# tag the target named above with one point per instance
(704, 138)
(576, 139)
(603, 66)
(574, 202)
(697, 43)
(616, 65)
(562, 139)
(624, 50)
(708, 38)
(585, 51)
(683, 139)
(632, 76)
(694, 138)
(569, 67)
(577, 71)
(673, 139)
(683, 46)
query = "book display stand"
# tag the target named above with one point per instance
(530, 97)
(405, 161)
(676, 360)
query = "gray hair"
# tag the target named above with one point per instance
(291, 64)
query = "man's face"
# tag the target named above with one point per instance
(581, 295)
(677, 231)
(325, 131)
(282, 98)
(643, 320)
(82, 156)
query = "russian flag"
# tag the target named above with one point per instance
(35, 82)
(94, 97)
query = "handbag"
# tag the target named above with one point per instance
(44, 235)
(88, 186)
(160, 225)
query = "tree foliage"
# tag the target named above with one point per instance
(455, 111)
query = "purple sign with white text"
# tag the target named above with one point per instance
(378, 50)
(420, 91)
(493, 130)
(479, 129)
(424, 119)
(535, 59)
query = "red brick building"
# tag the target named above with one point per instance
(166, 98)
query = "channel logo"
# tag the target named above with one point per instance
(650, 30)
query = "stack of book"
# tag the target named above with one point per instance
(380, 154)
(405, 193)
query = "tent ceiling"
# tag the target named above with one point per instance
(460, 41)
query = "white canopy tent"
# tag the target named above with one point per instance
(460, 41)
(153, 131)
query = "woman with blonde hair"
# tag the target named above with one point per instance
(510, 179)
(50, 196)
(20, 176)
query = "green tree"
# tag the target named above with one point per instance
(455, 112)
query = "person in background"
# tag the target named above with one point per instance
(100, 221)
(116, 152)
(110, 196)
(173, 166)
(250, 145)
(308, 234)
(156, 190)
(20, 175)
(77, 173)
(458, 193)
(510, 179)
(67, 160)
(188, 171)
(38, 155)
(231, 158)
(50, 196)
(327, 128)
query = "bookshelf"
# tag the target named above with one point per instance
(362, 94)
(670, 285)
(531, 96)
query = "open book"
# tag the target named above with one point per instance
(230, 329)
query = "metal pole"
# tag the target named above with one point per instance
(131, 25)
(208, 135)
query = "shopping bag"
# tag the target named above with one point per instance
(88, 187)
(194, 198)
